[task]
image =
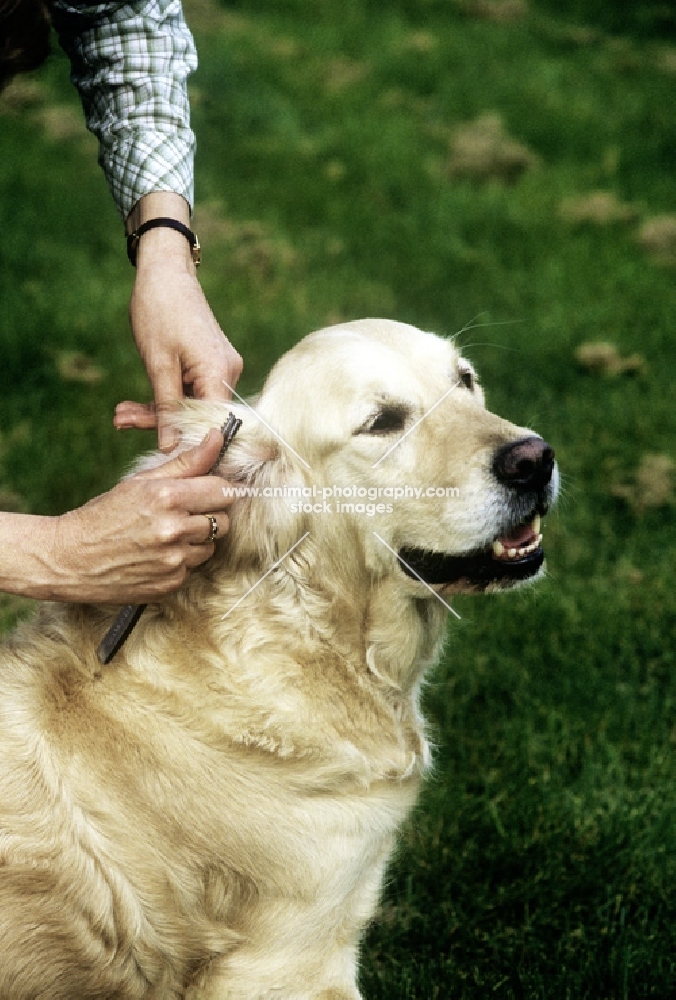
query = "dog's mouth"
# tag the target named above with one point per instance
(510, 558)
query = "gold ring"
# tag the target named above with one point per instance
(213, 527)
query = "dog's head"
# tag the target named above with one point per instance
(371, 441)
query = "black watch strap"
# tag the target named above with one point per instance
(166, 223)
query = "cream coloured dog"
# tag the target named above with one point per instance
(210, 815)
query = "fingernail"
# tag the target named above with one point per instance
(167, 439)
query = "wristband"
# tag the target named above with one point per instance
(133, 238)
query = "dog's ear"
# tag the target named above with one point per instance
(193, 419)
(260, 473)
(265, 517)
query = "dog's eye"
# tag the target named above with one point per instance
(387, 420)
(466, 376)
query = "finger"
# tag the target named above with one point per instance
(129, 414)
(218, 380)
(203, 495)
(194, 462)
(198, 554)
(168, 390)
(200, 530)
(220, 389)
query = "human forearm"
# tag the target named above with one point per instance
(178, 337)
(130, 63)
(135, 543)
(27, 564)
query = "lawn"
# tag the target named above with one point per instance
(482, 166)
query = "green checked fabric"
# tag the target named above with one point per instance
(130, 63)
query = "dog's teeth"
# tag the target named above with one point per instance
(536, 525)
(500, 552)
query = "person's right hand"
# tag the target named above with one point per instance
(140, 540)
(184, 350)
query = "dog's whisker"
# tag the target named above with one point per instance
(490, 343)
(471, 325)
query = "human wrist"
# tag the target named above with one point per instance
(161, 244)
(156, 204)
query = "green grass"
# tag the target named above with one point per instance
(541, 861)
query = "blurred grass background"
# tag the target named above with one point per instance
(494, 166)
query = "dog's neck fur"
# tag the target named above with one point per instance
(355, 646)
(338, 604)
(298, 616)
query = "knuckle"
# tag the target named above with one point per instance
(169, 532)
(173, 561)
(236, 364)
(166, 494)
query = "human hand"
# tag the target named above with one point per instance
(139, 541)
(183, 348)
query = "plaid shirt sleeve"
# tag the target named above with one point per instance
(130, 62)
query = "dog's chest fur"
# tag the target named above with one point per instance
(235, 796)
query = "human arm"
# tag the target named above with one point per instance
(177, 335)
(135, 543)
(130, 63)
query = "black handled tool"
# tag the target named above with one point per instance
(126, 619)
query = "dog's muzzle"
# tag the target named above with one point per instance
(525, 468)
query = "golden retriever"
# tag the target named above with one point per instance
(210, 816)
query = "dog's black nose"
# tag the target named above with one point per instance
(525, 465)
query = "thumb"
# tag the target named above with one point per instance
(196, 461)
